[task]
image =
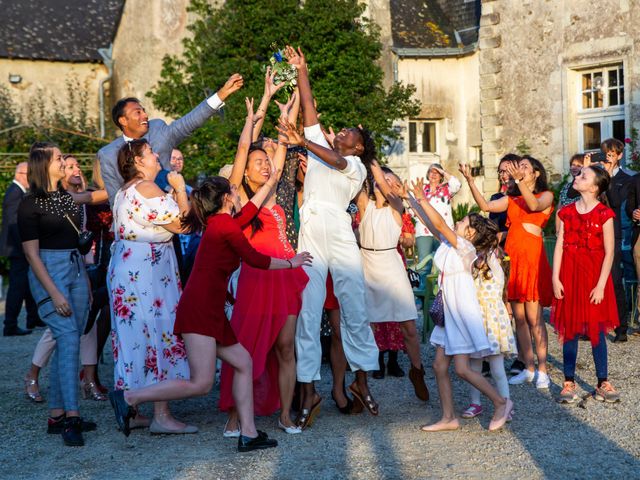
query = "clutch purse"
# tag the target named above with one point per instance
(436, 310)
(85, 239)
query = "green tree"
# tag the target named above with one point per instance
(341, 47)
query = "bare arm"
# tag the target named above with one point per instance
(535, 204)
(92, 198)
(270, 89)
(385, 189)
(597, 294)
(493, 206)
(435, 219)
(558, 288)
(242, 153)
(297, 59)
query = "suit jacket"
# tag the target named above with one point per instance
(617, 195)
(10, 243)
(633, 202)
(163, 139)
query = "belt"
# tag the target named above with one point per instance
(377, 249)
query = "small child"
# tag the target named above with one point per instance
(489, 278)
(463, 333)
(585, 301)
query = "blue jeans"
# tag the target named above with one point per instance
(66, 269)
(570, 355)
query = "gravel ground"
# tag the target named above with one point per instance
(545, 439)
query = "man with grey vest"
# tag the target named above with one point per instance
(130, 117)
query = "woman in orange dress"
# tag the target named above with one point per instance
(528, 204)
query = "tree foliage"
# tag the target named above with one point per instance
(341, 47)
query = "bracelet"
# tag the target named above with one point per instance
(306, 144)
(290, 264)
(516, 181)
(180, 191)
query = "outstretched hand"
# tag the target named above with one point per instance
(330, 135)
(465, 170)
(417, 188)
(285, 108)
(250, 115)
(301, 259)
(270, 85)
(513, 169)
(295, 57)
(289, 132)
(232, 85)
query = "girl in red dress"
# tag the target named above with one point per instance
(585, 302)
(200, 316)
(267, 302)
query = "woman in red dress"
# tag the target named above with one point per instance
(267, 302)
(200, 317)
(585, 301)
(529, 204)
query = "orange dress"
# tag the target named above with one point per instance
(530, 275)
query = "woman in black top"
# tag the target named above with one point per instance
(58, 281)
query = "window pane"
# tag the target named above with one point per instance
(429, 137)
(622, 96)
(413, 138)
(621, 75)
(586, 81)
(613, 96)
(598, 99)
(613, 78)
(586, 100)
(618, 129)
(591, 133)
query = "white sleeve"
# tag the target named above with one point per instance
(215, 102)
(454, 185)
(314, 133)
(355, 169)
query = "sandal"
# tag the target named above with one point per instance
(308, 416)
(472, 411)
(32, 390)
(367, 401)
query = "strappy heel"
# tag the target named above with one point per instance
(91, 391)
(33, 396)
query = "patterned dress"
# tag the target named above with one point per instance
(144, 289)
(494, 312)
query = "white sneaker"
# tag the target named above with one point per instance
(524, 376)
(542, 380)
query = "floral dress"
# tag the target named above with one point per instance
(144, 289)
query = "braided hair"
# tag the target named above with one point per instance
(485, 241)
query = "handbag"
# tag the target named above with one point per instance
(85, 239)
(436, 310)
(414, 278)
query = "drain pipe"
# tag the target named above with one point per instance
(106, 54)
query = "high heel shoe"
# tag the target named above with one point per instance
(101, 388)
(34, 394)
(90, 390)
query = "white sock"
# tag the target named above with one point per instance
(499, 375)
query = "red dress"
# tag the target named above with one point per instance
(530, 274)
(582, 257)
(264, 300)
(201, 306)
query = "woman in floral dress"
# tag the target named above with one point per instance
(143, 281)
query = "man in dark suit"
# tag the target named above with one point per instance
(617, 195)
(130, 117)
(11, 246)
(633, 210)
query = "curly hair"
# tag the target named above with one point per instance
(486, 242)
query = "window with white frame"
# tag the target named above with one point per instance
(423, 136)
(600, 111)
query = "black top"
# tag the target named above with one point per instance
(10, 244)
(617, 194)
(43, 219)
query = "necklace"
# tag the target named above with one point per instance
(58, 203)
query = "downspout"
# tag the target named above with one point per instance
(106, 54)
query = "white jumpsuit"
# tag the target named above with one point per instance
(326, 233)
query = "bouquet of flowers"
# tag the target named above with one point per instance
(285, 73)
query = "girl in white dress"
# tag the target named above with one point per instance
(463, 333)
(388, 293)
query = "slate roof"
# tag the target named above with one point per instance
(433, 24)
(58, 30)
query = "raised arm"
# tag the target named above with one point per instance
(181, 128)
(240, 162)
(270, 89)
(297, 59)
(493, 206)
(433, 218)
(94, 197)
(378, 176)
(535, 204)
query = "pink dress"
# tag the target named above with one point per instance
(264, 300)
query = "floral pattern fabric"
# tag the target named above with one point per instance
(144, 290)
(440, 199)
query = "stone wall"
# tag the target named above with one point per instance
(531, 53)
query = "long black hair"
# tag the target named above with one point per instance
(256, 223)
(40, 157)
(541, 184)
(206, 199)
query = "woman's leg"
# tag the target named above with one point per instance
(476, 379)
(599, 352)
(238, 357)
(569, 357)
(441, 368)
(538, 329)
(475, 365)
(284, 349)
(338, 361)
(411, 342)
(499, 374)
(41, 354)
(524, 335)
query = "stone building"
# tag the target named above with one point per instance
(557, 76)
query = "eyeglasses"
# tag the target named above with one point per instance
(502, 172)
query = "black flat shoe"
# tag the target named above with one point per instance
(72, 432)
(378, 374)
(261, 442)
(123, 411)
(56, 425)
(620, 337)
(394, 370)
(15, 332)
